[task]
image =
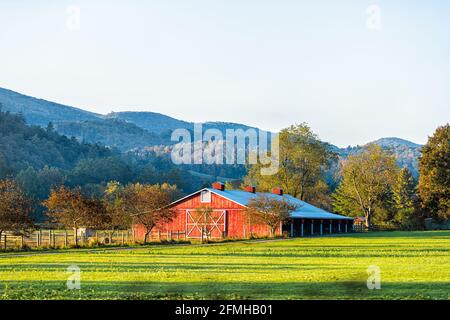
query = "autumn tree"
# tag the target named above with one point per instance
(15, 207)
(434, 178)
(148, 204)
(270, 210)
(367, 182)
(71, 209)
(303, 162)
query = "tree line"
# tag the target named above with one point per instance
(120, 207)
(368, 184)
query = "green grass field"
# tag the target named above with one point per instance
(414, 265)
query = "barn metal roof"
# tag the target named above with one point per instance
(304, 209)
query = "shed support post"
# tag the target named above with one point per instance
(321, 227)
(292, 229)
(301, 231)
(312, 227)
(339, 227)
(345, 226)
(331, 226)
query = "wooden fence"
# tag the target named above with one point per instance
(64, 238)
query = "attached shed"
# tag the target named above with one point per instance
(228, 218)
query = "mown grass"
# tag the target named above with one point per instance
(414, 265)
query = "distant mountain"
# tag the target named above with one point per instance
(41, 112)
(150, 121)
(162, 124)
(406, 152)
(393, 142)
(123, 130)
(140, 130)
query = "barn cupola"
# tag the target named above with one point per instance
(251, 189)
(218, 186)
(277, 191)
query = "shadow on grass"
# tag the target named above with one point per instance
(349, 289)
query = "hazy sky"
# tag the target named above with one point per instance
(353, 71)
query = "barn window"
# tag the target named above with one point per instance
(205, 197)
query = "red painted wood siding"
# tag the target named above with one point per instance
(235, 218)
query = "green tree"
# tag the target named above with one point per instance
(113, 200)
(404, 190)
(434, 179)
(367, 182)
(303, 162)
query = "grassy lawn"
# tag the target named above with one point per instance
(414, 265)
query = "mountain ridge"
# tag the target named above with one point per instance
(134, 130)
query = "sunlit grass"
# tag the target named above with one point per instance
(413, 265)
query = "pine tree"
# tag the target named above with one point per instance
(404, 190)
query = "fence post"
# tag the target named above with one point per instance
(21, 241)
(4, 237)
(65, 238)
(159, 235)
(123, 238)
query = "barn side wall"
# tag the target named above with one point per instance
(235, 217)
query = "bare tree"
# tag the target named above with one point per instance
(270, 210)
(148, 205)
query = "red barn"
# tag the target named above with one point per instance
(228, 219)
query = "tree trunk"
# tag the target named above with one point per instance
(202, 235)
(75, 230)
(368, 216)
(272, 231)
(146, 236)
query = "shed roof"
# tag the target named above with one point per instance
(304, 209)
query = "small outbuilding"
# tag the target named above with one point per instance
(228, 219)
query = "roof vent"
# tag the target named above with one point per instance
(218, 186)
(251, 189)
(277, 191)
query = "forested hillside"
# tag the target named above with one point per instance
(112, 132)
(23, 146)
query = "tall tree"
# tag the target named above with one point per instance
(404, 190)
(367, 180)
(270, 210)
(434, 169)
(15, 207)
(303, 161)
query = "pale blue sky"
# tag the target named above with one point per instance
(264, 63)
